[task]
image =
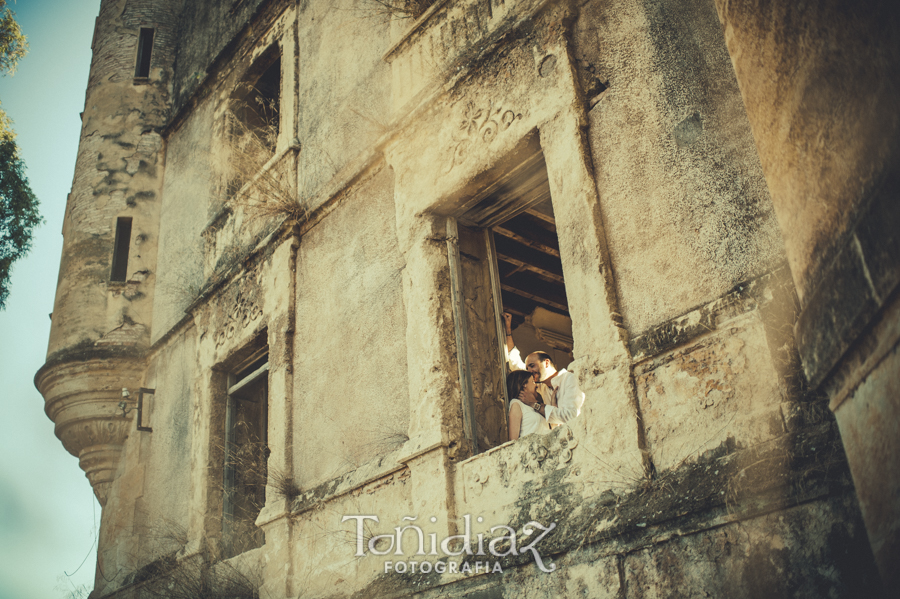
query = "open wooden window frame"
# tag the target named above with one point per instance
(520, 187)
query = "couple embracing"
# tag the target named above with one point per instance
(540, 396)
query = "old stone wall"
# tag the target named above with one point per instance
(343, 89)
(184, 213)
(203, 233)
(118, 174)
(352, 396)
(685, 205)
(206, 30)
(102, 316)
(819, 82)
(702, 461)
(148, 514)
(825, 149)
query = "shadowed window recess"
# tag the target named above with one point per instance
(253, 120)
(256, 101)
(246, 455)
(144, 51)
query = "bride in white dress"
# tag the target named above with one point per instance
(523, 420)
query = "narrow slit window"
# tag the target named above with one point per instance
(145, 49)
(120, 252)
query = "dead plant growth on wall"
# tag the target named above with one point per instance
(200, 576)
(247, 492)
(260, 181)
(195, 579)
(398, 9)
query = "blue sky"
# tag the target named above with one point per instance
(47, 509)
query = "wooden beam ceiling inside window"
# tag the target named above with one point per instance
(517, 208)
(528, 259)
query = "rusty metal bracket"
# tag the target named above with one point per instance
(140, 408)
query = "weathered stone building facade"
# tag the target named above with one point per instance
(293, 228)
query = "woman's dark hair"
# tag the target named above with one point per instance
(515, 382)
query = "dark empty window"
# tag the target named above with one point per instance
(257, 102)
(120, 252)
(254, 120)
(145, 48)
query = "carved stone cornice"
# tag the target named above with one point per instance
(82, 398)
(446, 36)
(100, 463)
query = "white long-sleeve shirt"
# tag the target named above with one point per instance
(514, 359)
(568, 398)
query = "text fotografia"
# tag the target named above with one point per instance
(501, 546)
(426, 567)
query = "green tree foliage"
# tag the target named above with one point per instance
(18, 204)
(12, 42)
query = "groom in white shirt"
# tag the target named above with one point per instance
(567, 397)
(562, 399)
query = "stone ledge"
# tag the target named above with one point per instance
(383, 468)
(854, 287)
(87, 351)
(744, 297)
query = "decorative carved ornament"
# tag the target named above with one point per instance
(542, 453)
(479, 125)
(109, 429)
(559, 453)
(244, 312)
(100, 463)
